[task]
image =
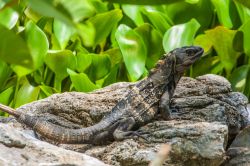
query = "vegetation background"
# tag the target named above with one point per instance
(50, 46)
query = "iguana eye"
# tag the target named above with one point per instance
(190, 52)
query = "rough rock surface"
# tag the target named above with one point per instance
(21, 148)
(205, 113)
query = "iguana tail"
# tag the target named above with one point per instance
(57, 133)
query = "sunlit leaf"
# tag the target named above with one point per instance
(222, 40)
(133, 50)
(62, 32)
(133, 12)
(243, 12)
(160, 20)
(8, 17)
(104, 23)
(223, 13)
(81, 82)
(180, 35)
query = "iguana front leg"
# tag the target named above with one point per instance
(164, 106)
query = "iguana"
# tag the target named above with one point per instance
(139, 106)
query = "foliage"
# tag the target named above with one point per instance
(51, 46)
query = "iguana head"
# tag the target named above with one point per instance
(186, 56)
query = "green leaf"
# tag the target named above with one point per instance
(115, 55)
(87, 32)
(78, 9)
(238, 78)
(223, 12)
(59, 61)
(62, 32)
(133, 50)
(133, 12)
(112, 76)
(26, 94)
(201, 40)
(84, 60)
(5, 72)
(244, 2)
(180, 35)
(246, 36)
(46, 8)
(81, 82)
(243, 12)
(104, 23)
(6, 96)
(160, 20)
(47, 90)
(13, 48)
(153, 40)
(100, 66)
(217, 36)
(37, 42)
(8, 17)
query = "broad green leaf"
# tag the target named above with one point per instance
(7, 95)
(47, 8)
(13, 48)
(79, 9)
(133, 50)
(5, 72)
(62, 32)
(26, 94)
(243, 12)
(87, 32)
(59, 61)
(133, 12)
(37, 43)
(84, 60)
(201, 40)
(246, 36)
(180, 35)
(181, 12)
(47, 90)
(100, 66)
(104, 23)
(81, 81)
(160, 20)
(223, 13)
(153, 40)
(8, 17)
(239, 77)
(222, 40)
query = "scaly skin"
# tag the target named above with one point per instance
(137, 108)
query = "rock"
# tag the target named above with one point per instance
(205, 115)
(193, 143)
(239, 150)
(18, 148)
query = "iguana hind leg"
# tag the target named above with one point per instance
(124, 130)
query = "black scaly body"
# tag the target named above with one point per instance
(136, 109)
